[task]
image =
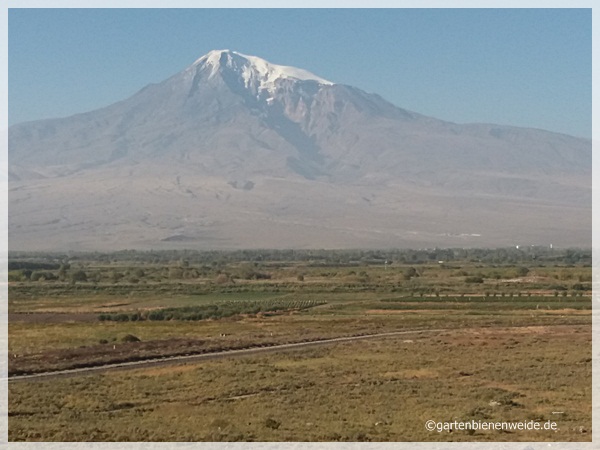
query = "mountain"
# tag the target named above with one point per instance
(236, 152)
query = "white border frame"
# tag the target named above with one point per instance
(295, 4)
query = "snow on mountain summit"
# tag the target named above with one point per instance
(256, 72)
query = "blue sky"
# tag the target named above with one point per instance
(524, 67)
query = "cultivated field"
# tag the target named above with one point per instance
(495, 336)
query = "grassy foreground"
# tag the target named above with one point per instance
(380, 390)
(516, 347)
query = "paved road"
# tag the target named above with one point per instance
(173, 360)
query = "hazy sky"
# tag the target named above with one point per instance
(525, 67)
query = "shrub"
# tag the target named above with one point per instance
(521, 271)
(138, 273)
(156, 315)
(222, 279)
(175, 273)
(473, 280)
(42, 276)
(16, 275)
(80, 275)
(272, 423)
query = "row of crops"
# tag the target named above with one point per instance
(489, 299)
(214, 311)
(486, 303)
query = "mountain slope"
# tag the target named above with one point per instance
(238, 152)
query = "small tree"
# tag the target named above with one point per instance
(79, 275)
(522, 271)
(62, 272)
(222, 278)
(409, 273)
(175, 273)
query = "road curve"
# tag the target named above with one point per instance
(173, 360)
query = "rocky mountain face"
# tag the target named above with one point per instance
(236, 152)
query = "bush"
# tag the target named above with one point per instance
(473, 280)
(175, 273)
(16, 275)
(42, 276)
(156, 315)
(138, 273)
(272, 423)
(80, 275)
(222, 279)
(410, 273)
(521, 271)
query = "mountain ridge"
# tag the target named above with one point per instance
(210, 131)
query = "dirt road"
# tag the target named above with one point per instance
(163, 361)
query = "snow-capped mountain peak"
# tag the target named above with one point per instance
(234, 152)
(256, 72)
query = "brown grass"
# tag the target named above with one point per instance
(381, 390)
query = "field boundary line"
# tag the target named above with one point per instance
(182, 359)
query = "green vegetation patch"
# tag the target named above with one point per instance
(214, 311)
(484, 303)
